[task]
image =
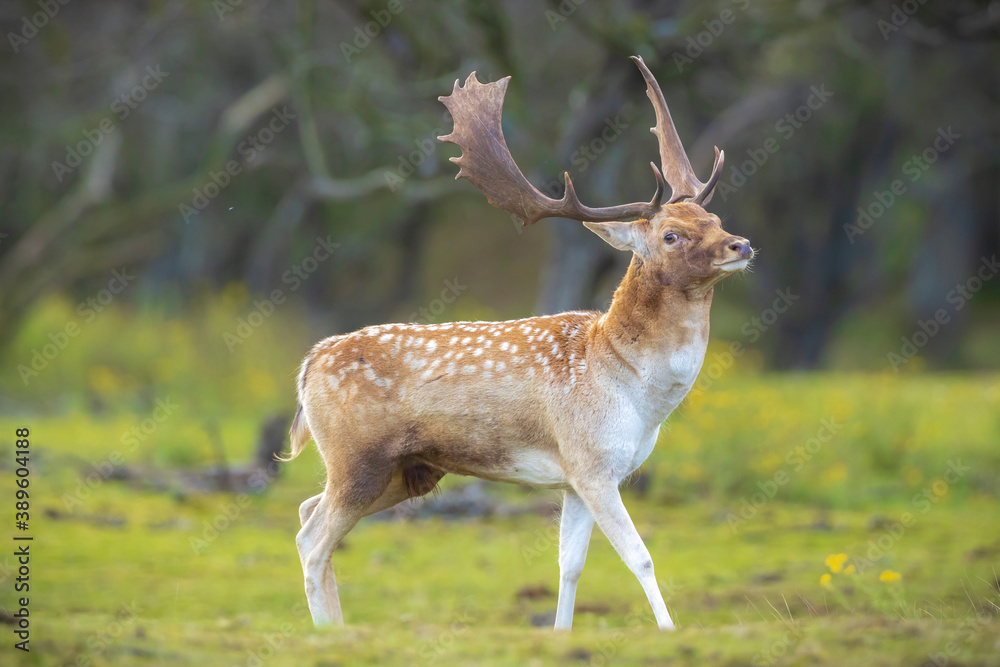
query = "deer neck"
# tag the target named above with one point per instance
(654, 336)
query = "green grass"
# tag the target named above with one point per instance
(408, 589)
(744, 499)
(435, 592)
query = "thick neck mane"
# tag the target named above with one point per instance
(649, 318)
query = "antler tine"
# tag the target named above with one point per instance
(660, 186)
(706, 193)
(487, 163)
(673, 159)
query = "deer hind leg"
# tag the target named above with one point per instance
(319, 536)
(326, 522)
(409, 481)
(308, 507)
(352, 489)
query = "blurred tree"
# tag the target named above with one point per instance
(104, 165)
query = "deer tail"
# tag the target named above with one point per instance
(298, 435)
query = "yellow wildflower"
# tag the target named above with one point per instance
(849, 569)
(835, 562)
(834, 474)
(770, 462)
(103, 380)
(824, 581)
(889, 575)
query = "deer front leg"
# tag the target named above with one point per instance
(604, 501)
(575, 527)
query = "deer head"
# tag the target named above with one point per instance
(683, 244)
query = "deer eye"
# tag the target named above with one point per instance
(670, 238)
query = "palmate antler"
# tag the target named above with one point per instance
(487, 163)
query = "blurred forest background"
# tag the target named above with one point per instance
(355, 159)
(193, 192)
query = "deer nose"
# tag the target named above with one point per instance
(742, 246)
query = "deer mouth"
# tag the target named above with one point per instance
(737, 264)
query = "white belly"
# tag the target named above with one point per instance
(533, 468)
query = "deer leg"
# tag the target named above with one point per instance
(326, 522)
(346, 499)
(394, 494)
(575, 527)
(605, 504)
(320, 535)
(308, 507)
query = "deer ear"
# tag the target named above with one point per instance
(621, 235)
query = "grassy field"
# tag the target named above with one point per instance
(793, 519)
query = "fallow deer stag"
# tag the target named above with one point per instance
(572, 401)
